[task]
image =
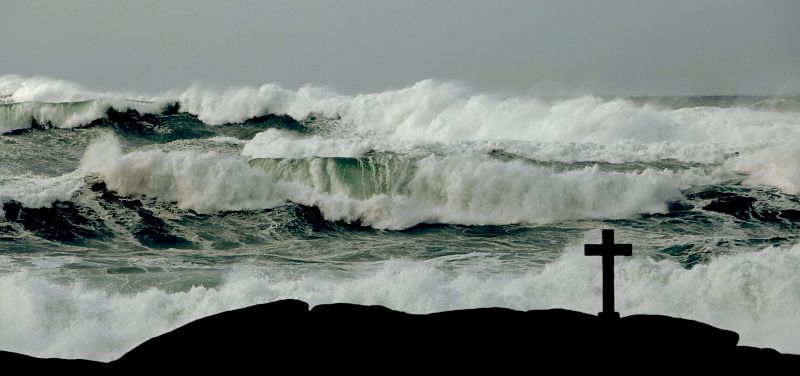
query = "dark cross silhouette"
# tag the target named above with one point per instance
(608, 250)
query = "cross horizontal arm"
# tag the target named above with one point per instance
(608, 249)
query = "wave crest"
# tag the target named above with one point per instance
(389, 193)
(204, 182)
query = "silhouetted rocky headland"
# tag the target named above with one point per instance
(362, 339)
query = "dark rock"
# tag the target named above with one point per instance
(790, 215)
(151, 230)
(171, 108)
(63, 221)
(269, 329)
(277, 121)
(28, 363)
(168, 125)
(154, 232)
(12, 210)
(748, 208)
(737, 206)
(99, 186)
(679, 207)
(373, 339)
(311, 218)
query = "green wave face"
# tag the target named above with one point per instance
(22, 115)
(359, 178)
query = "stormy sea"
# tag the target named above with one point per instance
(126, 215)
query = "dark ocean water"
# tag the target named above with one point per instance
(125, 216)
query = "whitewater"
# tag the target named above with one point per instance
(125, 215)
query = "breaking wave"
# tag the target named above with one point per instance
(777, 166)
(755, 293)
(24, 115)
(389, 192)
(429, 116)
(38, 191)
(435, 111)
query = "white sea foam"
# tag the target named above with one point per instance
(477, 190)
(777, 166)
(276, 143)
(235, 105)
(205, 182)
(446, 118)
(46, 319)
(431, 111)
(227, 140)
(43, 89)
(38, 191)
(60, 104)
(467, 189)
(65, 115)
(434, 111)
(756, 294)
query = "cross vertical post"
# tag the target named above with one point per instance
(608, 250)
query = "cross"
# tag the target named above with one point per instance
(608, 250)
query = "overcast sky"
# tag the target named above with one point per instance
(603, 47)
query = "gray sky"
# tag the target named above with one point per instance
(604, 47)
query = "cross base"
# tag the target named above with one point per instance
(608, 315)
